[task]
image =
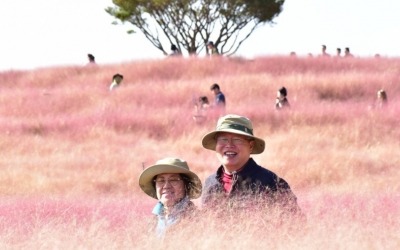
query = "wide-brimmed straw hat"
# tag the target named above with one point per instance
(169, 166)
(234, 124)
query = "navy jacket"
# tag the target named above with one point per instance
(253, 186)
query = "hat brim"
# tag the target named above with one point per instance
(209, 141)
(147, 185)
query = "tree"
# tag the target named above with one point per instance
(190, 24)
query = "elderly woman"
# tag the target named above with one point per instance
(172, 183)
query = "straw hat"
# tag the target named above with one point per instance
(169, 166)
(234, 124)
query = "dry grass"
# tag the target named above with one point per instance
(71, 151)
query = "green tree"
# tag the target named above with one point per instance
(190, 24)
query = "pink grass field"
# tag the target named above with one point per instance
(71, 151)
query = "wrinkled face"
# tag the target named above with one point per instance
(170, 189)
(233, 150)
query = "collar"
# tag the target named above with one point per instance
(247, 169)
(178, 207)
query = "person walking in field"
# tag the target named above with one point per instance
(175, 51)
(219, 100)
(173, 185)
(239, 182)
(91, 59)
(347, 52)
(381, 99)
(116, 81)
(324, 53)
(201, 108)
(212, 49)
(338, 52)
(281, 101)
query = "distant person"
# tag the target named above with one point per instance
(201, 109)
(219, 100)
(338, 52)
(347, 52)
(281, 99)
(212, 49)
(293, 54)
(323, 52)
(116, 81)
(175, 51)
(171, 183)
(382, 99)
(219, 96)
(91, 59)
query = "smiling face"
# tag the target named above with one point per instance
(233, 151)
(170, 189)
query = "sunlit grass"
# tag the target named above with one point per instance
(72, 151)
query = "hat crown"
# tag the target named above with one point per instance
(173, 161)
(235, 122)
(169, 166)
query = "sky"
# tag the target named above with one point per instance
(51, 33)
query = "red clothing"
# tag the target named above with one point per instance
(227, 181)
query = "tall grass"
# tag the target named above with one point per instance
(72, 151)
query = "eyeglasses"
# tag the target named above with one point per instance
(234, 141)
(162, 182)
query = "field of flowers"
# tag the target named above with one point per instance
(72, 151)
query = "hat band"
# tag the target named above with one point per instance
(236, 127)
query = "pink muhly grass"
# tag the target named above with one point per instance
(72, 151)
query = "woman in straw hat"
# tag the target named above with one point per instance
(172, 183)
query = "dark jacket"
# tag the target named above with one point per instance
(280, 104)
(220, 100)
(253, 187)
